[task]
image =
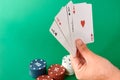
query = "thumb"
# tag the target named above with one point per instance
(83, 50)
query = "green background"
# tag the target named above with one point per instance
(24, 34)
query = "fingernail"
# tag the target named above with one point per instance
(79, 42)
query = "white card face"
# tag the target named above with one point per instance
(69, 8)
(70, 11)
(83, 24)
(55, 31)
(62, 22)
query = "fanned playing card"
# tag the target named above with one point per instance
(69, 8)
(62, 22)
(55, 31)
(83, 25)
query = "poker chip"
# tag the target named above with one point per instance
(57, 72)
(37, 67)
(66, 62)
(44, 77)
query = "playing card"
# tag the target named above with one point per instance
(55, 31)
(69, 8)
(62, 22)
(83, 24)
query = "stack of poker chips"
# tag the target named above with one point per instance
(66, 62)
(55, 71)
(37, 67)
(44, 77)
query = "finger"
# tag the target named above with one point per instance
(80, 57)
(76, 63)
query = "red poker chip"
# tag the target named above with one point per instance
(44, 77)
(57, 72)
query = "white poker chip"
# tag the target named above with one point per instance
(66, 62)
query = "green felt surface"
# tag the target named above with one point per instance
(24, 34)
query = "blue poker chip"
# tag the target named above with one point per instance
(37, 68)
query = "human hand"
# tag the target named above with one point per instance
(89, 66)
